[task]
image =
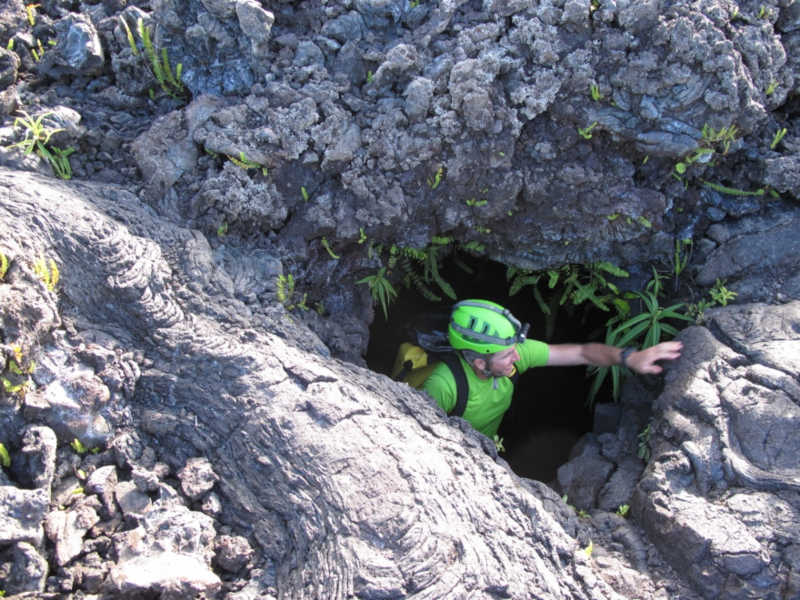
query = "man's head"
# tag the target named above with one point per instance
(487, 334)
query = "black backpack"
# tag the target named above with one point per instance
(414, 363)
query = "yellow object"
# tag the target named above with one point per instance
(411, 365)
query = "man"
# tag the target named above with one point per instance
(492, 349)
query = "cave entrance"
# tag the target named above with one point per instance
(549, 411)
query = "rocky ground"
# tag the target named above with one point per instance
(175, 429)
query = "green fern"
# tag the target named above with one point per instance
(429, 259)
(78, 446)
(779, 135)
(37, 139)
(5, 458)
(433, 182)
(285, 291)
(169, 81)
(326, 244)
(47, 271)
(129, 35)
(381, 289)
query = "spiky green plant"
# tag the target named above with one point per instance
(37, 139)
(5, 458)
(645, 329)
(779, 135)
(327, 245)
(3, 266)
(381, 289)
(169, 80)
(586, 132)
(47, 271)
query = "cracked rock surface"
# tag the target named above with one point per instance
(174, 430)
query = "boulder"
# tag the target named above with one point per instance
(23, 513)
(23, 569)
(34, 464)
(78, 50)
(168, 554)
(288, 467)
(721, 485)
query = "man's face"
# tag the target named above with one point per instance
(502, 363)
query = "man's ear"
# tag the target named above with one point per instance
(480, 364)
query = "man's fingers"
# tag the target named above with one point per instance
(668, 350)
(662, 351)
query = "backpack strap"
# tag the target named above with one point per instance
(408, 366)
(462, 389)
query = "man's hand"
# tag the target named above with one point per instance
(644, 361)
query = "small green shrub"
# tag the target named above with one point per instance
(681, 256)
(286, 293)
(733, 191)
(37, 139)
(326, 244)
(697, 155)
(498, 443)
(643, 451)
(645, 329)
(586, 132)
(47, 271)
(246, 163)
(720, 294)
(573, 284)
(433, 182)
(381, 289)
(78, 446)
(773, 85)
(723, 137)
(168, 79)
(30, 10)
(779, 135)
(5, 458)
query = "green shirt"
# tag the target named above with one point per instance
(488, 399)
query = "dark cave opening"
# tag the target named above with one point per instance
(549, 411)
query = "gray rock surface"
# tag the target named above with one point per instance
(718, 494)
(288, 466)
(170, 409)
(34, 464)
(168, 554)
(78, 50)
(22, 513)
(66, 530)
(23, 569)
(197, 477)
(721, 488)
(756, 256)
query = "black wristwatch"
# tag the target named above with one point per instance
(626, 352)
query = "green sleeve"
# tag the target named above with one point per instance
(532, 353)
(441, 386)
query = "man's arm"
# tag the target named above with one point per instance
(601, 355)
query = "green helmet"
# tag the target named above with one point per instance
(483, 326)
